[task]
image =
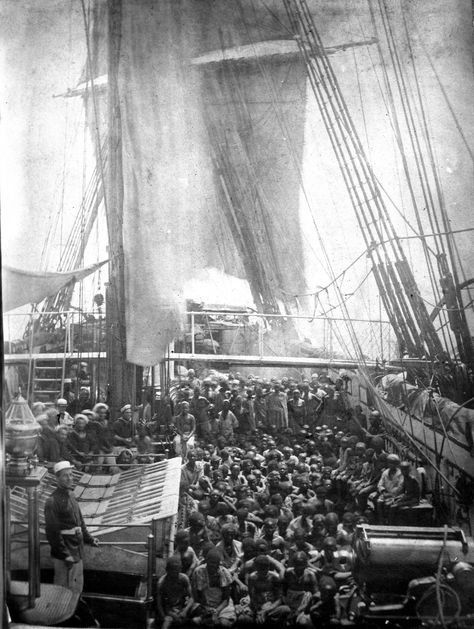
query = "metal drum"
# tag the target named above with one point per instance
(389, 556)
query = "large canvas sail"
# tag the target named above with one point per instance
(169, 207)
(254, 98)
(182, 127)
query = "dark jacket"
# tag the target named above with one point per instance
(61, 513)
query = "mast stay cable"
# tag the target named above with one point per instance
(285, 130)
(408, 309)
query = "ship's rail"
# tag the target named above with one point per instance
(443, 452)
(250, 338)
(74, 332)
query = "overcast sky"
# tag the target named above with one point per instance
(43, 169)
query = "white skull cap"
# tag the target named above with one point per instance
(62, 465)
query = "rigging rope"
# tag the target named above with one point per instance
(452, 247)
(399, 140)
(94, 103)
(383, 98)
(460, 330)
(281, 121)
(416, 445)
(420, 162)
(354, 167)
(412, 132)
(368, 203)
(445, 95)
(419, 159)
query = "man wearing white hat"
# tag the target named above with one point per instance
(123, 427)
(66, 531)
(64, 419)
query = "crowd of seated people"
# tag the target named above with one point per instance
(276, 475)
(270, 498)
(90, 440)
(95, 442)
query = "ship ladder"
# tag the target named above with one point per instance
(47, 381)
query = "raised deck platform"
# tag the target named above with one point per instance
(53, 356)
(275, 361)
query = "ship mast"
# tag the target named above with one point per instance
(121, 374)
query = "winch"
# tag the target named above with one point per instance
(388, 557)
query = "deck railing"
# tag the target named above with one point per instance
(67, 332)
(249, 333)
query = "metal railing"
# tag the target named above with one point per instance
(73, 330)
(328, 334)
(157, 543)
(84, 332)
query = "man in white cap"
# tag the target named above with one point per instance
(66, 531)
(123, 427)
(64, 419)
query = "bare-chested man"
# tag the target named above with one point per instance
(185, 427)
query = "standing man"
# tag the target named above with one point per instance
(277, 411)
(66, 531)
(296, 411)
(199, 407)
(260, 407)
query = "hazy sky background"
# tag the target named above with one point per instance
(46, 154)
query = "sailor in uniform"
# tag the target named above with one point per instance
(123, 428)
(66, 531)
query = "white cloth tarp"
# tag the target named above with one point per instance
(30, 287)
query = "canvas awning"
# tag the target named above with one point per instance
(30, 287)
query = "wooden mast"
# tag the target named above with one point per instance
(121, 375)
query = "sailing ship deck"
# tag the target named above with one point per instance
(119, 509)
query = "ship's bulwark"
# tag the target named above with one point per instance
(172, 197)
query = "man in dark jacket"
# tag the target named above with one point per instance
(66, 531)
